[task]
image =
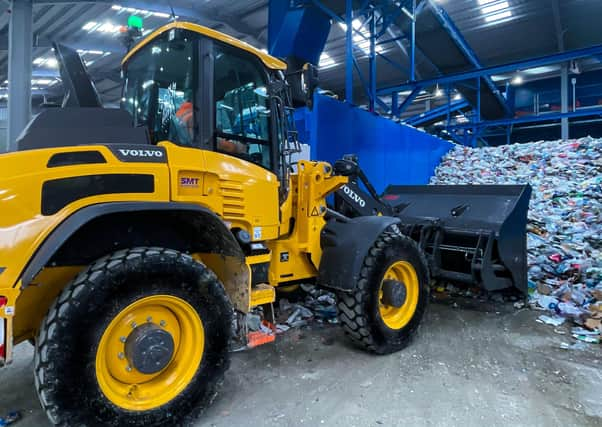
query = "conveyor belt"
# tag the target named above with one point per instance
(437, 114)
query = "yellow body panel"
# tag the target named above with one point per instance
(243, 194)
(296, 256)
(268, 60)
(22, 226)
(35, 300)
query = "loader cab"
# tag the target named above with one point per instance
(198, 91)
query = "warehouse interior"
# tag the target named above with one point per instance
(396, 201)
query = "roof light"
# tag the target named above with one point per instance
(361, 40)
(498, 16)
(326, 61)
(356, 24)
(517, 80)
(52, 63)
(457, 97)
(495, 7)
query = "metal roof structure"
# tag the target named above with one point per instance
(522, 29)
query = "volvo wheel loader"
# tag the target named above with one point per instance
(131, 238)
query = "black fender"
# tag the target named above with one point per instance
(344, 247)
(218, 238)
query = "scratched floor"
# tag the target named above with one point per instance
(484, 366)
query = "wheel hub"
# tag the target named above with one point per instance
(394, 293)
(149, 348)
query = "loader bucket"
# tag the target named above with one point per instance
(474, 234)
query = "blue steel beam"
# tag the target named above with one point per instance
(448, 24)
(498, 69)
(597, 111)
(409, 99)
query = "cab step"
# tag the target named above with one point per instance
(262, 294)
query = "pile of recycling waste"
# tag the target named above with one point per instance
(565, 220)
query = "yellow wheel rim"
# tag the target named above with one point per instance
(398, 317)
(132, 390)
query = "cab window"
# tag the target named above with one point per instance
(242, 113)
(160, 88)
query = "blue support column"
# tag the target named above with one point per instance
(394, 104)
(349, 53)
(413, 44)
(19, 69)
(564, 101)
(372, 94)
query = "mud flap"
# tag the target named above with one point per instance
(344, 247)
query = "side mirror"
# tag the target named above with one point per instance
(303, 82)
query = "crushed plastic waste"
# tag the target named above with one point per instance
(564, 237)
(554, 321)
(262, 326)
(318, 304)
(10, 418)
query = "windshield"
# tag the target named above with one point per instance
(160, 86)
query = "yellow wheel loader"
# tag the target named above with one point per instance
(131, 238)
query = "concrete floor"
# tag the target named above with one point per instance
(468, 366)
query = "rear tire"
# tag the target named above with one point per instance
(366, 321)
(70, 376)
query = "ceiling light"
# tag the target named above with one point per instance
(135, 11)
(41, 82)
(457, 97)
(495, 7)
(517, 80)
(89, 26)
(542, 70)
(498, 16)
(438, 92)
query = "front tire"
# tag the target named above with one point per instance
(367, 319)
(140, 337)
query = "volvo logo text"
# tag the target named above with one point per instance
(354, 196)
(141, 153)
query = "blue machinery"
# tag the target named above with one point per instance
(299, 29)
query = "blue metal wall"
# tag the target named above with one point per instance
(390, 153)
